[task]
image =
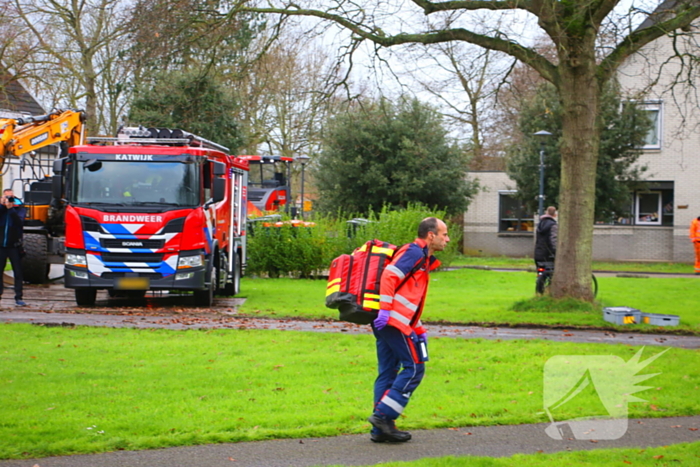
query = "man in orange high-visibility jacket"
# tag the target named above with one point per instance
(398, 330)
(695, 238)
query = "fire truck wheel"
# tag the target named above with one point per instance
(220, 273)
(85, 297)
(236, 289)
(35, 264)
(205, 297)
(232, 288)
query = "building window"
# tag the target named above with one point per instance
(513, 215)
(651, 204)
(648, 208)
(653, 138)
(654, 204)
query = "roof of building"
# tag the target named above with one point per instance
(14, 99)
(662, 12)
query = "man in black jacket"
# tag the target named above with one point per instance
(546, 236)
(12, 214)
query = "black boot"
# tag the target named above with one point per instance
(389, 432)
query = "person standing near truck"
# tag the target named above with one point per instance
(401, 338)
(12, 214)
(695, 238)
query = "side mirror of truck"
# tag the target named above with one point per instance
(219, 189)
(57, 179)
(219, 169)
(58, 166)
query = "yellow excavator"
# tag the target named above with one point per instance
(43, 226)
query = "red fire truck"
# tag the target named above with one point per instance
(269, 184)
(152, 209)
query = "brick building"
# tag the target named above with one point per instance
(496, 223)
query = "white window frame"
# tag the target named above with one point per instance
(655, 106)
(659, 213)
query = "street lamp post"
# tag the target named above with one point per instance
(541, 135)
(303, 159)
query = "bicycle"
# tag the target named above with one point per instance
(545, 271)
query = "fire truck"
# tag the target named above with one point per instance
(149, 209)
(153, 209)
(269, 190)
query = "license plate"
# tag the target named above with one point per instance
(132, 283)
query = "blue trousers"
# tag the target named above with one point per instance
(399, 374)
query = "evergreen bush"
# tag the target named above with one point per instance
(306, 251)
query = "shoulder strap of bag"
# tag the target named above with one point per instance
(418, 265)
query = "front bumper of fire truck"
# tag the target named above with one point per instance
(190, 273)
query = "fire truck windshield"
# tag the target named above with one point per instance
(126, 183)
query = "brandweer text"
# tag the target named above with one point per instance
(131, 218)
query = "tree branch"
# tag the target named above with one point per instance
(641, 37)
(432, 7)
(524, 54)
(601, 9)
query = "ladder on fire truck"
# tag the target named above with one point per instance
(141, 135)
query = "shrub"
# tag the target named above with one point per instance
(400, 226)
(307, 251)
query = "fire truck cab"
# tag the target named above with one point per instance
(152, 209)
(269, 183)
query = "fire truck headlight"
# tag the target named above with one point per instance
(190, 261)
(76, 260)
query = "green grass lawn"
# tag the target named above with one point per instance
(83, 390)
(523, 263)
(479, 296)
(684, 454)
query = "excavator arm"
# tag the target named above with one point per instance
(22, 135)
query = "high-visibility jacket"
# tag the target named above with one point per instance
(695, 230)
(406, 304)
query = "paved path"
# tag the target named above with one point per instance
(237, 322)
(495, 441)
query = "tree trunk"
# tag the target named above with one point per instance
(580, 96)
(90, 80)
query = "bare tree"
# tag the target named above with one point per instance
(77, 52)
(15, 46)
(579, 72)
(463, 80)
(288, 96)
(464, 83)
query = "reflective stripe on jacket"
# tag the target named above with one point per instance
(695, 230)
(406, 304)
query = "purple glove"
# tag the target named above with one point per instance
(381, 319)
(423, 337)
